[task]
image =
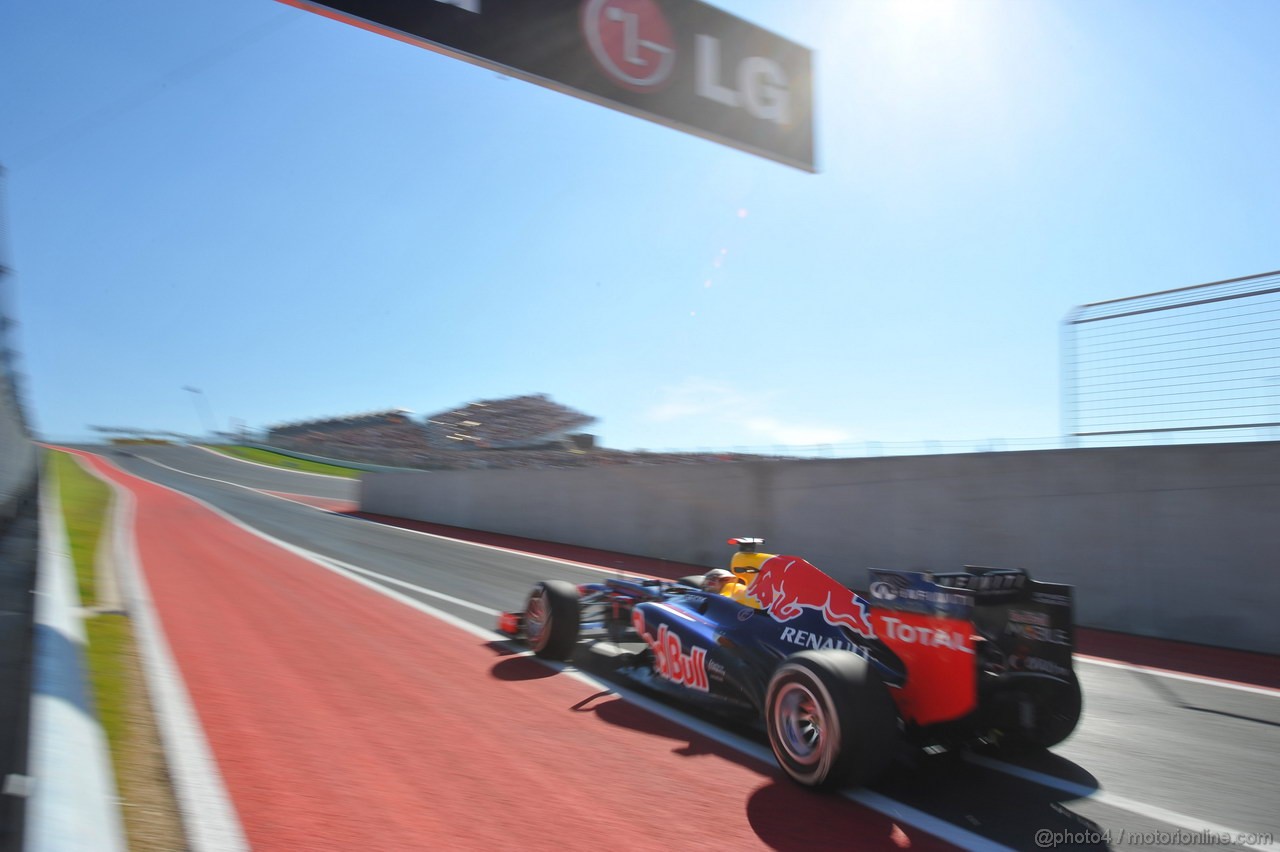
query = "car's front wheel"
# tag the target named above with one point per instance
(830, 719)
(551, 618)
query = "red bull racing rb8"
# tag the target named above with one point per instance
(840, 681)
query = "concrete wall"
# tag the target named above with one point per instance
(1172, 541)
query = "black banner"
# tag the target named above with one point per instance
(681, 63)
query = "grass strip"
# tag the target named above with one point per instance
(84, 503)
(110, 638)
(280, 460)
(150, 810)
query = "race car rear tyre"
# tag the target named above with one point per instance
(1056, 712)
(830, 719)
(551, 619)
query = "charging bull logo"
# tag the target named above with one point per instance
(787, 585)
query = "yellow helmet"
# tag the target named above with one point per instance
(747, 561)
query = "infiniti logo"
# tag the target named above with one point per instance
(884, 591)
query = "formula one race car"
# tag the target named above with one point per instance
(838, 681)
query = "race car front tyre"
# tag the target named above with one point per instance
(830, 719)
(551, 619)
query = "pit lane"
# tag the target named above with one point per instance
(1163, 753)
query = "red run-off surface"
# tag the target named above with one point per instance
(341, 719)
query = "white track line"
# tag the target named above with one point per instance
(238, 485)
(383, 578)
(277, 467)
(1172, 675)
(597, 568)
(1189, 823)
(208, 817)
(600, 569)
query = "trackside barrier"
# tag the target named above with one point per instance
(1174, 542)
(18, 457)
(73, 803)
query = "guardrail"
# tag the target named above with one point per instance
(19, 461)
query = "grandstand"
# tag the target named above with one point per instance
(530, 431)
(345, 423)
(519, 422)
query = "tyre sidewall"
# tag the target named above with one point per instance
(559, 634)
(862, 724)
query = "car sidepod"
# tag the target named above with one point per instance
(692, 649)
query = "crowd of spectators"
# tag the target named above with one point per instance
(523, 432)
(527, 421)
(355, 423)
(353, 437)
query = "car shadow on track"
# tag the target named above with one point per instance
(983, 799)
(521, 668)
(975, 798)
(783, 815)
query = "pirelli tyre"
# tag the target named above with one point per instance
(1052, 711)
(830, 719)
(551, 619)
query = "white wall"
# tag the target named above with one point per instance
(1178, 542)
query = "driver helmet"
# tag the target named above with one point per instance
(714, 580)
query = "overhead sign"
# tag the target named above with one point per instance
(677, 62)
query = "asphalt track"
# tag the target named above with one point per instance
(341, 717)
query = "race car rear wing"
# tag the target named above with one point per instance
(988, 622)
(1003, 604)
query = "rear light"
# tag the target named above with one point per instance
(509, 623)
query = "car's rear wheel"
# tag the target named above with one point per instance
(830, 719)
(551, 619)
(1054, 709)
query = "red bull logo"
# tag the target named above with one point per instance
(788, 585)
(669, 658)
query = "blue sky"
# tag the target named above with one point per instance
(302, 219)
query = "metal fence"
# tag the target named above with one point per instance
(1196, 360)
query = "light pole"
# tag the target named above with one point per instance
(211, 422)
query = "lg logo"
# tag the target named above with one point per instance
(633, 44)
(762, 84)
(631, 41)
